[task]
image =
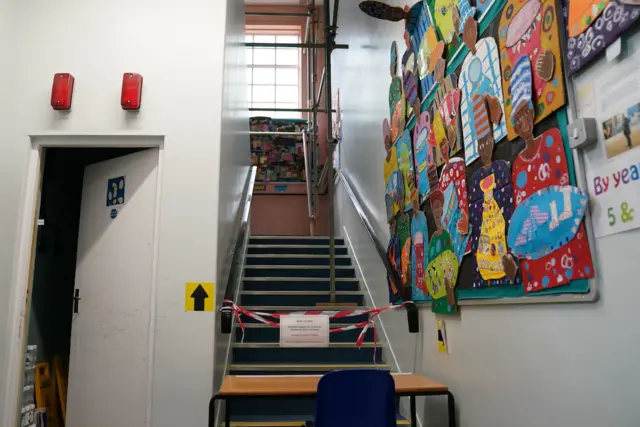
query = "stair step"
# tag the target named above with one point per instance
(284, 420)
(263, 333)
(294, 308)
(296, 271)
(298, 368)
(298, 284)
(294, 240)
(289, 259)
(298, 298)
(294, 249)
(257, 353)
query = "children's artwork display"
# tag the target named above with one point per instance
(446, 106)
(403, 231)
(447, 18)
(546, 230)
(405, 165)
(422, 154)
(396, 97)
(590, 33)
(442, 269)
(393, 254)
(490, 201)
(531, 28)
(425, 42)
(394, 191)
(410, 77)
(480, 75)
(278, 158)
(419, 259)
(471, 218)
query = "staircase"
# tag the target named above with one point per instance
(285, 274)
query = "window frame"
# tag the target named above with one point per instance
(275, 30)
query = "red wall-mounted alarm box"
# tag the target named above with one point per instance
(62, 91)
(131, 91)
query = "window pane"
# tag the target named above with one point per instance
(287, 76)
(262, 105)
(264, 39)
(264, 56)
(249, 55)
(248, 38)
(249, 75)
(287, 94)
(264, 76)
(263, 93)
(288, 39)
(287, 56)
(249, 90)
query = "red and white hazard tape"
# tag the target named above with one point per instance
(333, 314)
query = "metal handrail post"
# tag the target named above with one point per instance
(314, 123)
(329, 42)
(308, 183)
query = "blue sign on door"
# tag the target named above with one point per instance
(115, 191)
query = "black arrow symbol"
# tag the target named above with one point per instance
(199, 295)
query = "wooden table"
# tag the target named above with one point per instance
(410, 385)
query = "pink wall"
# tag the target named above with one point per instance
(284, 215)
(279, 214)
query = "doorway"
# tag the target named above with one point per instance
(89, 307)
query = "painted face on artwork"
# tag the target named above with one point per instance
(523, 121)
(470, 34)
(485, 148)
(436, 209)
(444, 150)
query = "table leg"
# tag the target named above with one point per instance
(451, 403)
(227, 412)
(414, 415)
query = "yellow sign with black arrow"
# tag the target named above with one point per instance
(199, 296)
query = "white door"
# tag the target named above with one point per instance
(108, 366)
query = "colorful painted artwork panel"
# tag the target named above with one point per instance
(583, 13)
(479, 75)
(424, 45)
(419, 238)
(421, 153)
(531, 28)
(394, 194)
(490, 210)
(542, 166)
(455, 214)
(403, 230)
(607, 28)
(410, 81)
(397, 107)
(393, 254)
(442, 273)
(444, 12)
(405, 165)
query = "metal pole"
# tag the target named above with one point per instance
(297, 45)
(314, 106)
(321, 86)
(329, 41)
(308, 183)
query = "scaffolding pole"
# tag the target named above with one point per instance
(329, 35)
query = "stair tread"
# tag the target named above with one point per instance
(301, 292)
(302, 279)
(302, 366)
(314, 256)
(302, 308)
(275, 344)
(297, 267)
(282, 418)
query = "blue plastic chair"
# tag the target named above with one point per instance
(356, 397)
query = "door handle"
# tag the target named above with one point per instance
(76, 301)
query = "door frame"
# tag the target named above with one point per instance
(24, 252)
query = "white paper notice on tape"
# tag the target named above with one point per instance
(304, 331)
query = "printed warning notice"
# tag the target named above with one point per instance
(304, 331)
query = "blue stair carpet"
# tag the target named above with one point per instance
(285, 274)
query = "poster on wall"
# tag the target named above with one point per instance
(614, 190)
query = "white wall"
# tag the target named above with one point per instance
(178, 47)
(525, 366)
(234, 163)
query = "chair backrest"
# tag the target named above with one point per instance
(356, 397)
